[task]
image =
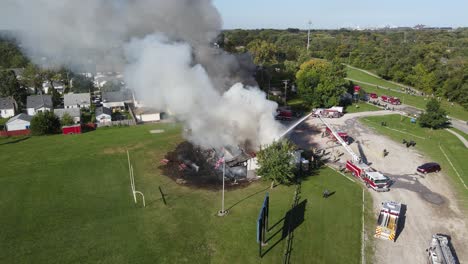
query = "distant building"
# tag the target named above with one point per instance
(19, 122)
(8, 107)
(103, 114)
(74, 113)
(79, 100)
(39, 103)
(146, 114)
(58, 86)
(117, 100)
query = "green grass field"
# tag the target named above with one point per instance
(461, 133)
(364, 77)
(398, 126)
(66, 199)
(456, 110)
(361, 107)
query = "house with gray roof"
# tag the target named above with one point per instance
(117, 99)
(74, 113)
(77, 100)
(19, 122)
(39, 103)
(8, 107)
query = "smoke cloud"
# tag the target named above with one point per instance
(168, 56)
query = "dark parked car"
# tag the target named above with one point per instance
(429, 167)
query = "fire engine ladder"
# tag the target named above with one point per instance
(356, 158)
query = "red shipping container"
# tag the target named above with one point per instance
(75, 129)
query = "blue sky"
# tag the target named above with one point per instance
(341, 13)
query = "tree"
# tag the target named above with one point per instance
(9, 86)
(45, 123)
(67, 120)
(82, 84)
(434, 117)
(32, 77)
(422, 79)
(112, 86)
(321, 83)
(264, 53)
(277, 162)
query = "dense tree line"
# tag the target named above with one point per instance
(433, 61)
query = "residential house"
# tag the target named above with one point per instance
(58, 86)
(146, 114)
(39, 103)
(19, 122)
(8, 107)
(74, 113)
(117, 100)
(103, 114)
(78, 100)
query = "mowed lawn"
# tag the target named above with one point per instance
(399, 128)
(66, 199)
(361, 107)
(456, 110)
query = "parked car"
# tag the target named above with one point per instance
(373, 96)
(429, 167)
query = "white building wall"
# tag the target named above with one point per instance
(114, 104)
(32, 111)
(149, 117)
(18, 125)
(7, 113)
(103, 118)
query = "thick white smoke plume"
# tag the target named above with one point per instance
(169, 62)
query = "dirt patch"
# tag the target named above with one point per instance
(121, 150)
(192, 166)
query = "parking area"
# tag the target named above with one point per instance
(430, 201)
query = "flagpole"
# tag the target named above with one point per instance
(224, 169)
(223, 212)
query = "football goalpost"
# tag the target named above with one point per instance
(132, 182)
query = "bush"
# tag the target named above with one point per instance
(67, 120)
(44, 123)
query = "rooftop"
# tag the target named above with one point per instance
(7, 102)
(23, 117)
(38, 101)
(73, 112)
(77, 99)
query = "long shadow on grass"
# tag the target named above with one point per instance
(15, 141)
(250, 196)
(291, 220)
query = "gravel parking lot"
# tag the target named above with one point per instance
(431, 206)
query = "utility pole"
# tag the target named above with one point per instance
(285, 91)
(308, 36)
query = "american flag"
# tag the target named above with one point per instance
(219, 162)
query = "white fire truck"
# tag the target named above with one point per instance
(370, 176)
(439, 251)
(387, 223)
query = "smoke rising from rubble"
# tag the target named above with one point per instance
(169, 60)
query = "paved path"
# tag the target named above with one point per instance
(459, 136)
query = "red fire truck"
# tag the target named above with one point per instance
(284, 114)
(371, 177)
(391, 100)
(343, 135)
